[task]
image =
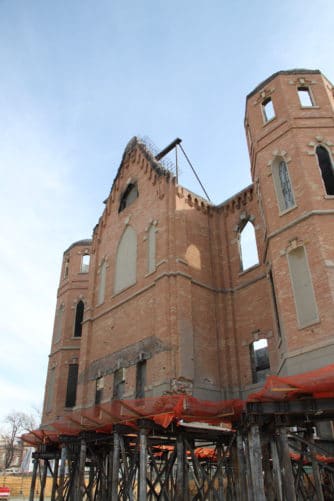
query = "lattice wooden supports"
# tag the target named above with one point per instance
(147, 463)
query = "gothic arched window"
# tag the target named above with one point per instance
(151, 249)
(78, 319)
(247, 245)
(128, 197)
(126, 260)
(282, 184)
(326, 168)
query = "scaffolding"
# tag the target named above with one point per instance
(176, 447)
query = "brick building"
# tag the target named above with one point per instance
(174, 294)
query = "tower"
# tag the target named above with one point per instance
(290, 131)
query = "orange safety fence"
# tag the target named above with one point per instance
(314, 384)
(166, 409)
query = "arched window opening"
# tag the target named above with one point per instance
(247, 245)
(259, 360)
(282, 184)
(128, 197)
(99, 390)
(268, 109)
(78, 319)
(59, 323)
(126, 260)
(326, 168)
(151, 249)
(85, 263)
(102, 282)
(72, 381)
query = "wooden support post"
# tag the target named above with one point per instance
(63, 457)
(276, 470)
(33, 480)
(255, 454)
(288, 484)
(115, 467)
(248, 471)
(180, 492)
(241, 479)
(81, 471)
(315, 466)
(220, 472)
(55, 480)
(43, 479)
(142, 464)
(109, 473)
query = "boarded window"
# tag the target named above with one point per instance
(72, 381)
(119, 384)
(50, 390)
(268, 109)
(151, 249)
(282, 184)
(305, 97)
(326, 168)
(66, 267)
(79, 312)
(306, 307)
(85, 263)
(99, 390)
(102, 282)
(140, 379)
(259, 360)
(59, 323)
(128, 197)
(247, 246)
(126, 260)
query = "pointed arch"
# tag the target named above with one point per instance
(126, 260)
(79, 313)
(247, 246)
(326, 168)
(129, 196)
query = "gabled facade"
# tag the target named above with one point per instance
(174, 294)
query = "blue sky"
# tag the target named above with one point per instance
(78, 79)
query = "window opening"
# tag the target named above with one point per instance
(99, 390)
(85, 263)
(326, 168)
(268, 109)
(151, 244)
(247, 245)
(305, 97)
(140, 379)
(102, 282)
(59, 323)
(79, 312)
(66, 267)
(302, 286)
(283, 186)
(260, 364)
(72, 381)
(128, 197)
(119, 384)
